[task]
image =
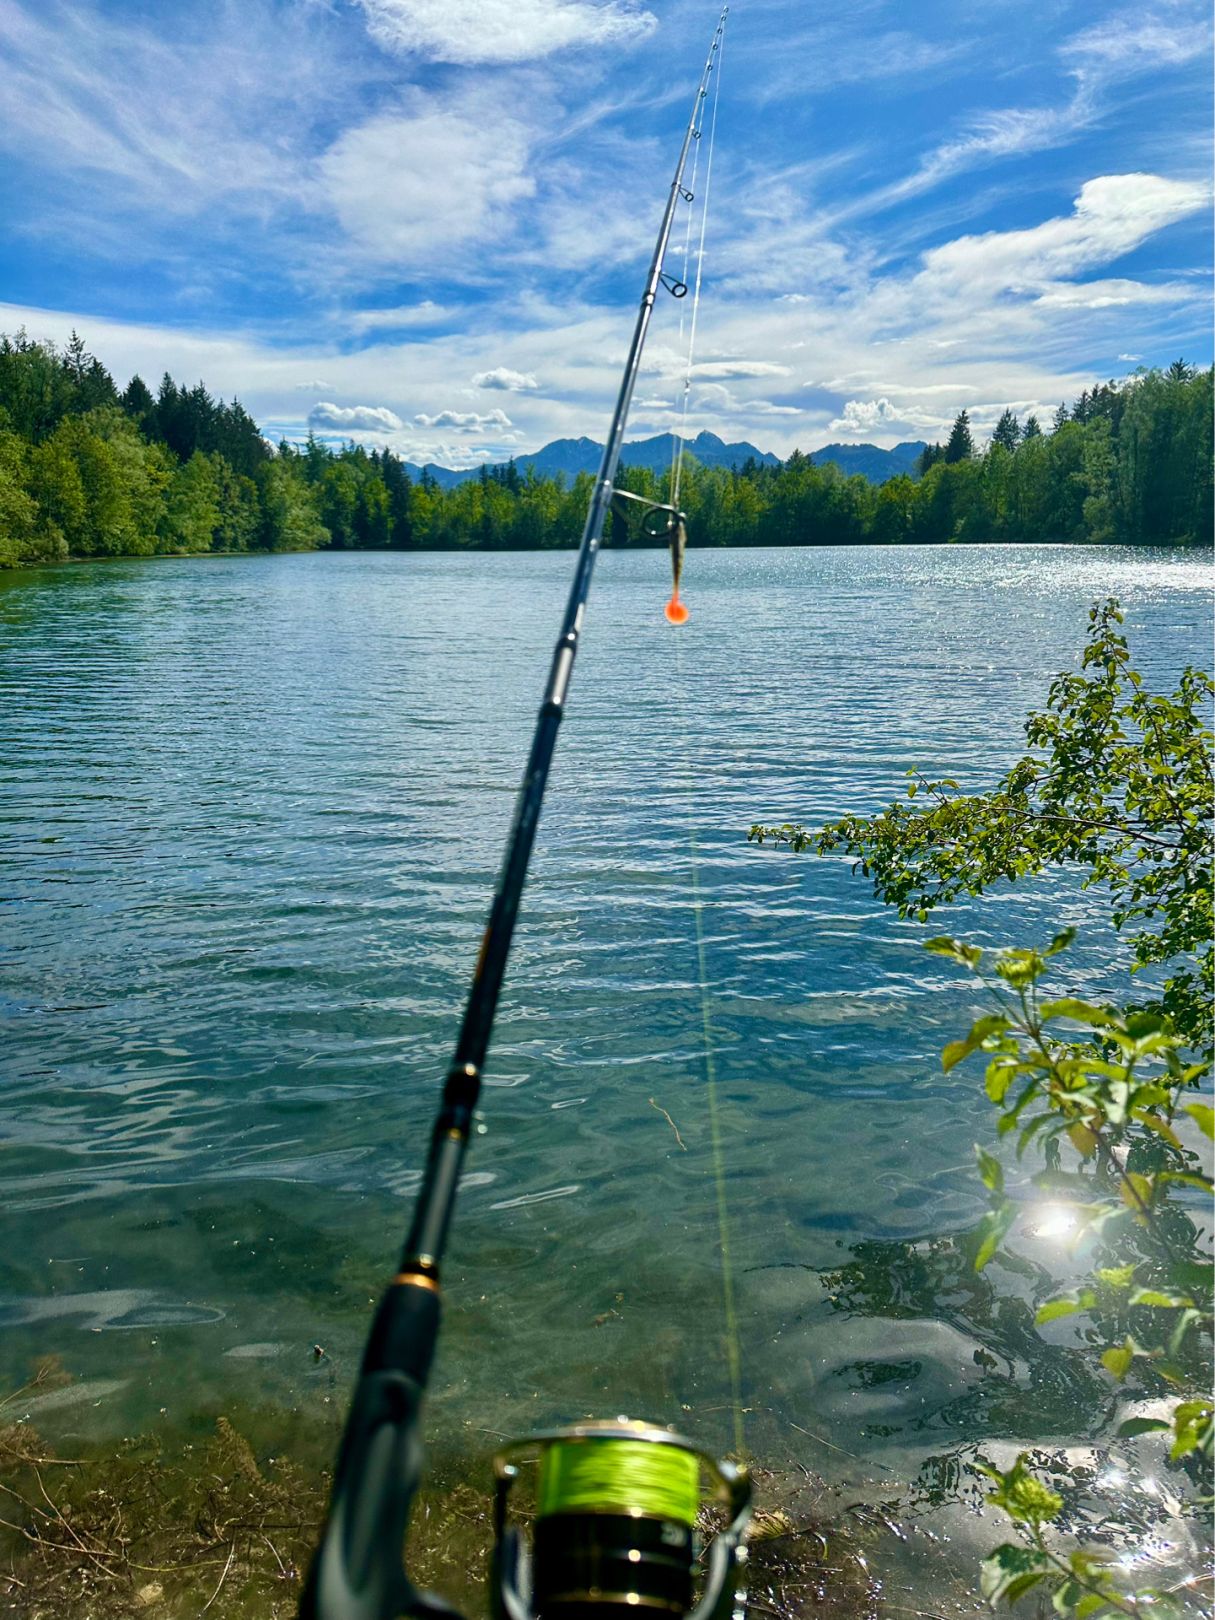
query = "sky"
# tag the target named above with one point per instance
(425, 224)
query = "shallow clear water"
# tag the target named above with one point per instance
(250, 814)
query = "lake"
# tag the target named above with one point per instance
(251, 811)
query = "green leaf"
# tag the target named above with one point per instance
(1019, 968)
(1187, 1179)
(1134, 1426)
(992, 1230)
(1117, 1359)
(1055, 1308)
(1154, 1123)
(968, 956)
(1193, 1425)
(1066, 1597)
(980, 1030)
(1137, 1191)
(1093, 1603)
(1159, 1301)
(1001, 1072)
(991, 1171)
(1007, 1564)
(1080, 1012)
(1083, 1138)
(1116, 1276)
(1060, 942)
(1204, 1117)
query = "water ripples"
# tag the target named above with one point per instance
(251, 811)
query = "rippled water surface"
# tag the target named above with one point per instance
(250, 814)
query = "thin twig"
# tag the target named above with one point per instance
(222, 1579)
(672, 1124)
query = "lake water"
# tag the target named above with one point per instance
(251, 810)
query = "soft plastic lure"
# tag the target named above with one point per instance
(675, 610)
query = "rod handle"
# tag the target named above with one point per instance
(358, 1572)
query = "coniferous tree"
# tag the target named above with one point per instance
(1008, 431)
(961, 446)
(1031, 430)
(137, 400)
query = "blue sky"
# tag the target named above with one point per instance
(424, 223)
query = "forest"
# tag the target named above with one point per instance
(87, 470)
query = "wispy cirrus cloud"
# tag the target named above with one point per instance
(1096, 59)
(402, 317)
(495, 31)
(380, 177)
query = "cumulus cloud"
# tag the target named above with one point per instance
(466, 421)
(512, 382)
(481, 31)
(864, 416)
(380, 178)
(361, 418)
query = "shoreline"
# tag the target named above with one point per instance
(17, 568)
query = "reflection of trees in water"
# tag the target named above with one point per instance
(1049, 1399)
(1030, 1389)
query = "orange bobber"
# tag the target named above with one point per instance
(675, 611)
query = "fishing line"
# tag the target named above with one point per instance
(619, 1475)
(677, 477)
(716, 1134)
(676, 441)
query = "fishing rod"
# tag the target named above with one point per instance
(617, 1503)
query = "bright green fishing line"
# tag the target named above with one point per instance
(625, 1476)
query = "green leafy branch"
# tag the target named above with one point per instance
(1119, 784)
(1117, 1095)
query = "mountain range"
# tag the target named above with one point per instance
(573, 456)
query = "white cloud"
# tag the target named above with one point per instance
(739, 368)
(1130, 359)
(363, 418)
(512, 382)
(1132, 44)
(404, 316)
(1096, 59)
(717, 397)
(1112, 214)
(380, 178)
(864, 415)
(200, 109)
(465, 421)
(481, 31)
(314, 385)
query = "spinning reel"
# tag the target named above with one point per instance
(614, 1527)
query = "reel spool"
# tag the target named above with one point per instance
(614, 1531)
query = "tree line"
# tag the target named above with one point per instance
(87, 470)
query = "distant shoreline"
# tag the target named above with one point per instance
(18, 568)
